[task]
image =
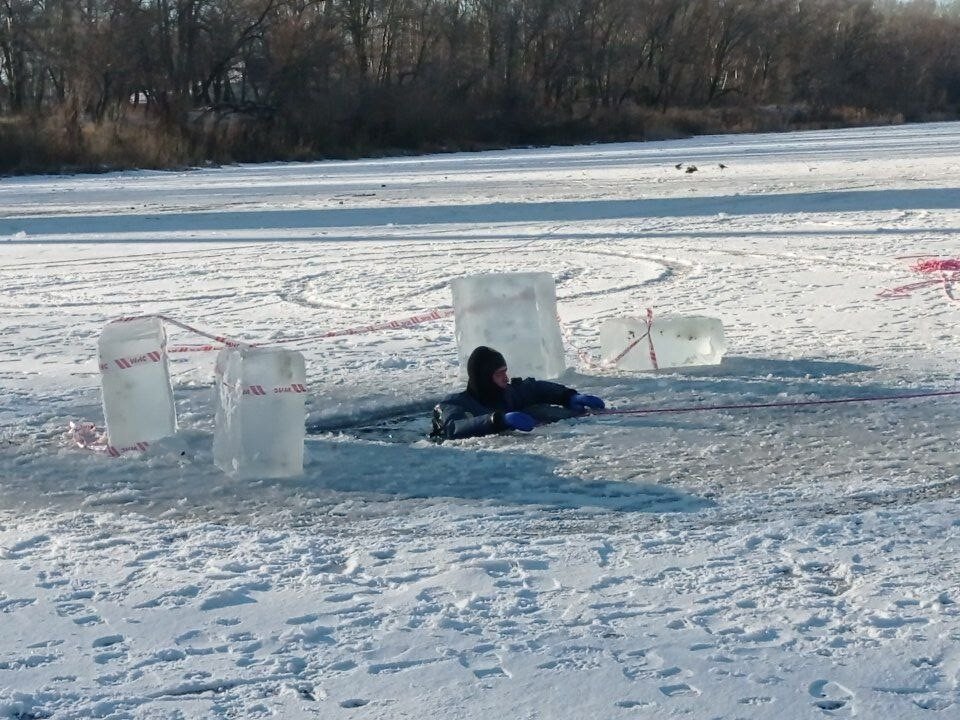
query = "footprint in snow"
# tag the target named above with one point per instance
(71, 605)
(107, 640)
(24, 547)
(28, 662)
(341, 666)
(105, 657)
(226, 598)
(933, 703)
(9, 605)
(678, 690)
(832, 697)
(112, 648)
(302, 619)
(633, 663)
(495, 671)
(353, 703)
(633, 704)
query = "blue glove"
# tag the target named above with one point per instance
(519, 421)
(581, 403)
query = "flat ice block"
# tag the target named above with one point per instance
(135, 379)
(260, 420)
(514, 313)
(678, 341)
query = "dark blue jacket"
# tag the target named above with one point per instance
(461, 415)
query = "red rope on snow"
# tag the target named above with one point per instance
(932, 265)
(792, 403)
(949, 269)
(196, 331)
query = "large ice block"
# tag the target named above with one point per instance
(260, 414)
(135, 378)
(677, 340)
(515, 313)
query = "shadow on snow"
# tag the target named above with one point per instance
(343, 480)
(346, 478)
(504, 212)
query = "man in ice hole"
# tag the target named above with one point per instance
(492, 403)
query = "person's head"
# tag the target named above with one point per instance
(487, 374)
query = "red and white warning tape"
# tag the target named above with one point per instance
(279, 390)
(649, 337)
(86, 436)
(113, 451)
(398, 324)
(402, 323)
(154, 356)
(410, 321)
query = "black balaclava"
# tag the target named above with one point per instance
(481, 366)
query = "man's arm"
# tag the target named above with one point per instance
(452, 422)
(534, 392)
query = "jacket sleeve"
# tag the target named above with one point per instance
(452, 422)
(534, 392)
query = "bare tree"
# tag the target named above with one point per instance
(349, 75)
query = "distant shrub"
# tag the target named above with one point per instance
(21, 147)
(64, 142)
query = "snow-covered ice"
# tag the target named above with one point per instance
(789, 562)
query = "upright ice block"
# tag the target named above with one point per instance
(515, 313)
(135, 378)
(677, 341)
(260, 417)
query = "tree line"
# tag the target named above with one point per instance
(160, 82)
